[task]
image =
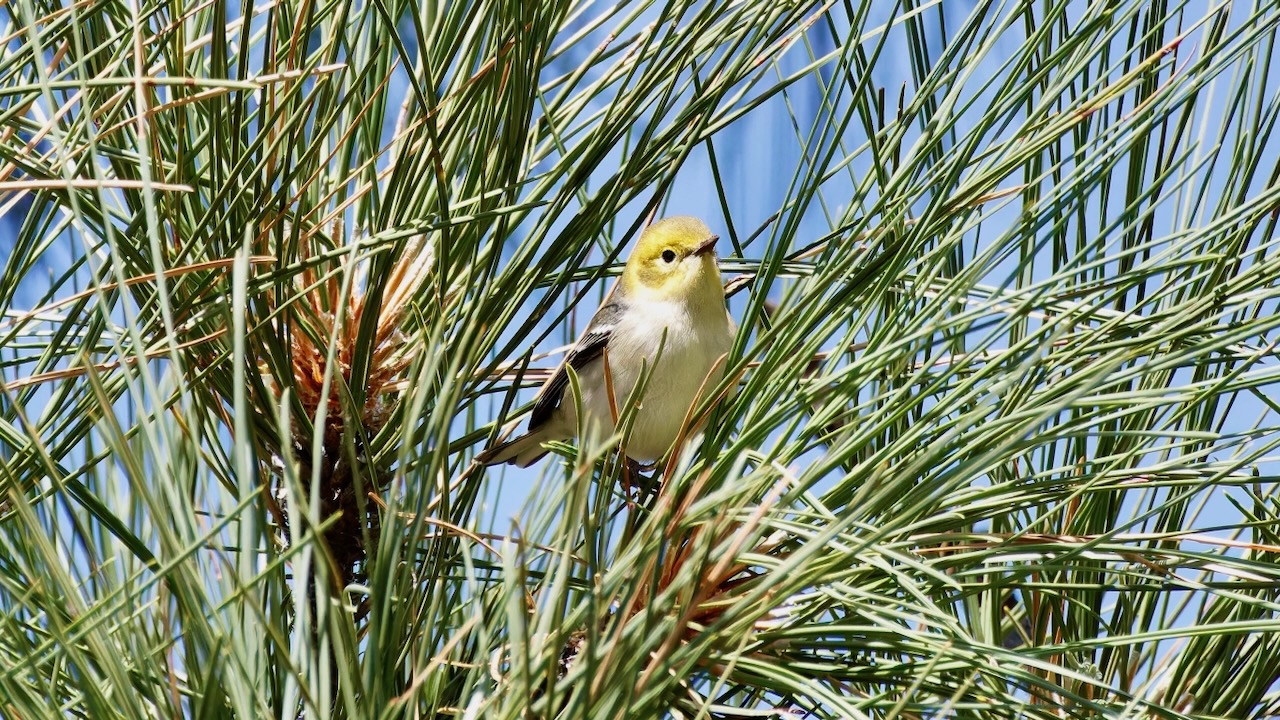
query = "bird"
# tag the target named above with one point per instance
(667, 312)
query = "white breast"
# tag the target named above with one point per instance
(686, 364)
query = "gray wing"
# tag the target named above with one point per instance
(589, 347)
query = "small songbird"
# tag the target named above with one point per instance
(669, 297)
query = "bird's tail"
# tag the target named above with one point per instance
(522, 451)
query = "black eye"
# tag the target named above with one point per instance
(668, 256)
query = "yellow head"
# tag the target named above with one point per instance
(675, 258)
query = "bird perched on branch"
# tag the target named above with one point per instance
(666, 313)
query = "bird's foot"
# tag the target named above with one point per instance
(643, 467)
(635, 477)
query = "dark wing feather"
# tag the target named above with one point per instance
(589, 347)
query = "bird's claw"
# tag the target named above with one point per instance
(635, 478)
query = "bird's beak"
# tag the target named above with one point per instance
(708, 245)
